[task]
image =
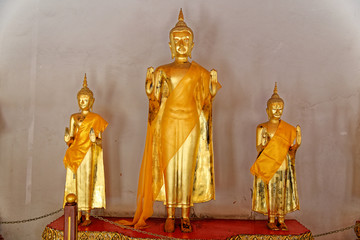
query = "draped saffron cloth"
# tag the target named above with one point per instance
(274, 153)
(78, 149)
(190, 101)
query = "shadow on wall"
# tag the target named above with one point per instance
(107, 93)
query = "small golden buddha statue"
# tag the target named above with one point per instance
(275, 190)
(177, 165)
(84, 157)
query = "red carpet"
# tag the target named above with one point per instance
(202, 229)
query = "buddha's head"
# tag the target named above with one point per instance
(275, 105)
(181, 39)
(85, 97)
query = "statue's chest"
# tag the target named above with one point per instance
(175, 76)
(78, 120)
(271, 130)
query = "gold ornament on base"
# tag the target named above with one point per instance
(357, 229)
(84, 157)
(71, 198)
(178, 164)
(275, 189)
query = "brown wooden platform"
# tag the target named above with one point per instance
(202, 229)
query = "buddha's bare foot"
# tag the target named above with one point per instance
(283, 226)
(169, 225)
(272, 226)
(185, 225)
(80, 219)
(86, 223)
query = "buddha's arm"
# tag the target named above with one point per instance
(161, 85)
(213, 82)
(72, 126)
(95, 139)
(99, 139)
(69, 133)
(298, 135)
(261, 139)
(149, 83)
(154, 83)
(153, 89)
(297, 144)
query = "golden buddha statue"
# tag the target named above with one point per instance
(84, 157)
(177, 166)
(275, 190)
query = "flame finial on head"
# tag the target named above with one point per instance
(85, 90)
(181, 15)
(275, 96)
(181, 25)
(275, 88)
(85, 81)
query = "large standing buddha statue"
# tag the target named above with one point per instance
(178, 164)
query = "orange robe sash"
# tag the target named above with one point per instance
(271, 158)
(81, 145)
(180, 105)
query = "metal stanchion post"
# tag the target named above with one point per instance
(70, 213)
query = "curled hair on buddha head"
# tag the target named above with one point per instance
(85, 90)
(181, 26)
(275, 98)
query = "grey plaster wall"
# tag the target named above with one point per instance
(311, 48)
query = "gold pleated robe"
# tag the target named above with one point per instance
(84, 166)
(275, 189)
(178, 144)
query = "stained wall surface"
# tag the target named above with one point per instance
(311, 48)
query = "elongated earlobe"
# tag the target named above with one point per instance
(172, 52)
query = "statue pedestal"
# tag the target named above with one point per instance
(202, 229)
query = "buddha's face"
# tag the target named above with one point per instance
(85, 102)
(275, 110)
(181, 44)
